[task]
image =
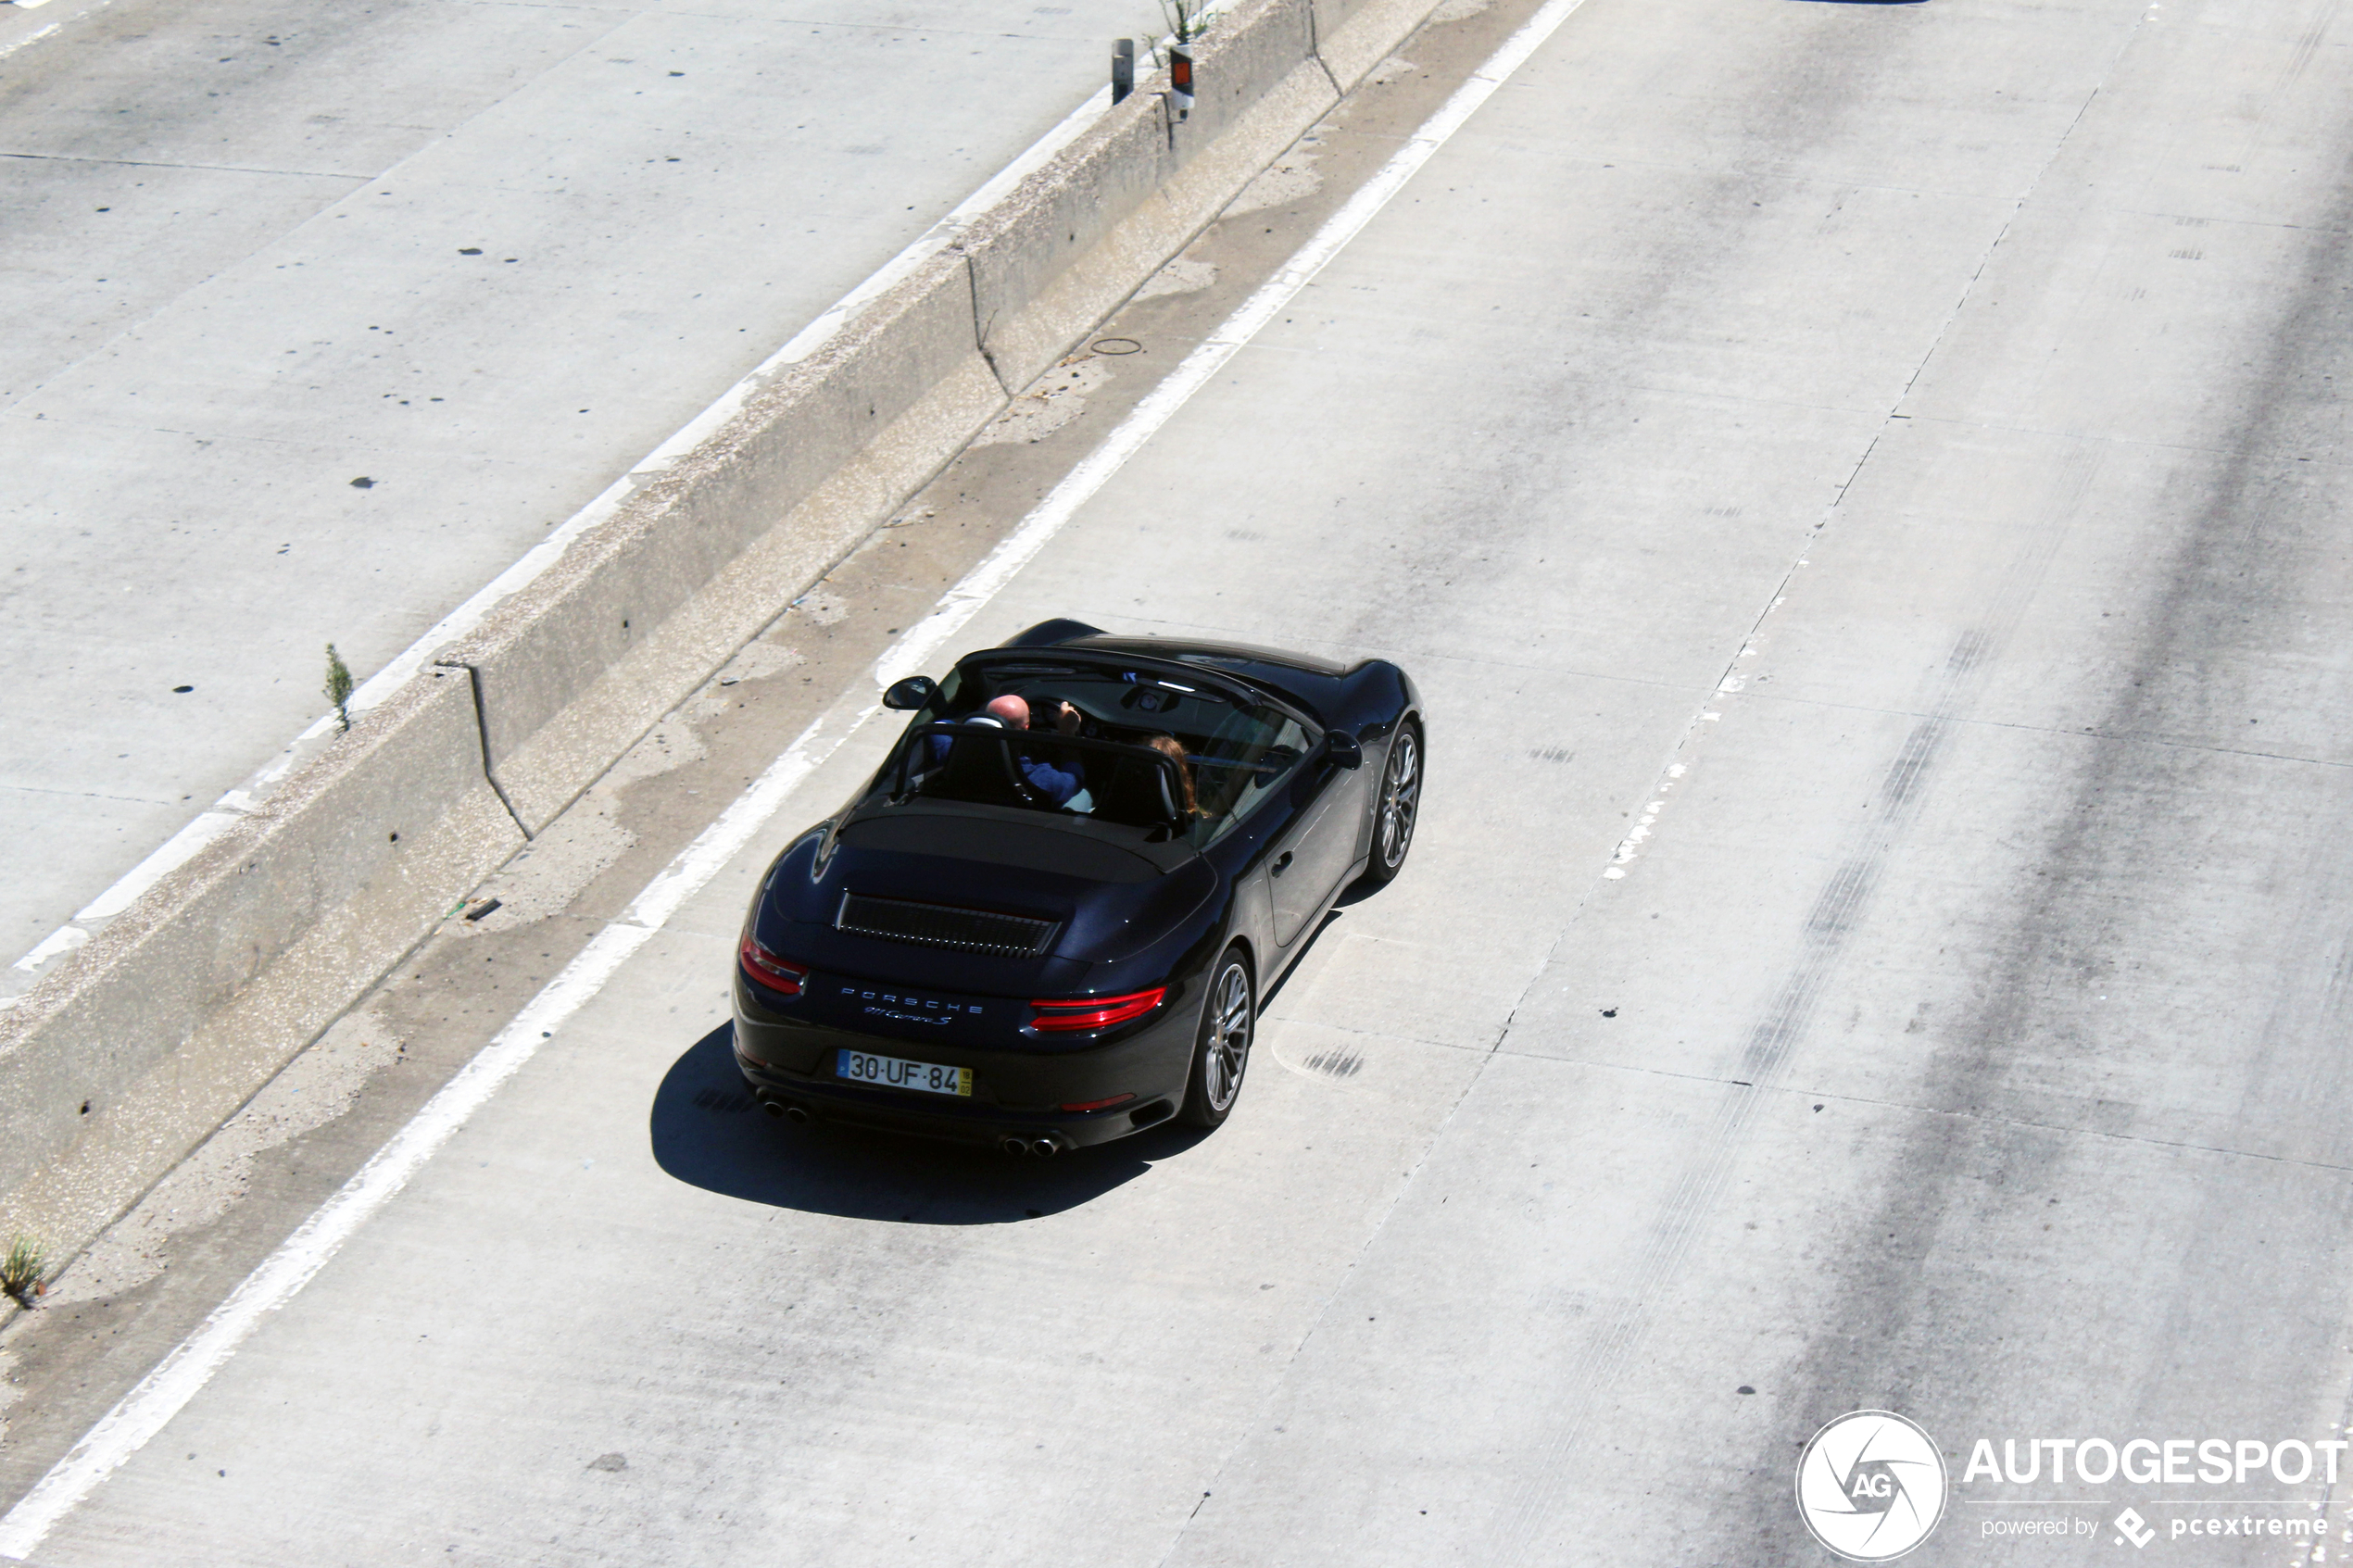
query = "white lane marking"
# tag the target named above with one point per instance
(166, 1391)
(1632, 845)
(29, 38)
(736, 826)
(180, 846)
(65, 939)
(177, 850)
(924, 641)
(161, 1394)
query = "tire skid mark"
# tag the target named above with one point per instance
(1836, 914)
(2227, 567)
(1528, 1528)
(1530, 1515)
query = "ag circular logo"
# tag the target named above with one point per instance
(1870, 1485)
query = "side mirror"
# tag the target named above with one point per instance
(911, 693)
(1341, 747)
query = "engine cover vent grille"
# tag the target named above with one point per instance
(936, 926)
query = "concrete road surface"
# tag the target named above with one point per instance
(1861, 486)
(320, 316)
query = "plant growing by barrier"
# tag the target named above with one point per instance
(21, 1269)
(1188, 19)
(339, 687)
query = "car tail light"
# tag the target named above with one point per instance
(1094, 1013)
(1099, 1104)
(769, 971)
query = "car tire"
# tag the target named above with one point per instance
(1396, 805)
(1221, 1046)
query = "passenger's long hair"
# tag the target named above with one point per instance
(1174, 749)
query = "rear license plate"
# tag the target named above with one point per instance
(895, 1073)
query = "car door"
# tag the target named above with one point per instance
(1320, 846)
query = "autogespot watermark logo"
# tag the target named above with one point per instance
(1870, 1485)
(2061, 1469)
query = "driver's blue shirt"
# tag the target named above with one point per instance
(1048, 780)
(1056, 785)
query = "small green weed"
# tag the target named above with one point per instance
(339, 686)
(21, 1269)
(1188, 19)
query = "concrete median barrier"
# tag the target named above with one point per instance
(1353, 36)
(574, 668)
(117, 1064)
(1246, 60)
(134, 1048)
(1079, 234)
(1048, 262)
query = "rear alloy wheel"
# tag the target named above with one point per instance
(1221, 1052)
(1398, 805)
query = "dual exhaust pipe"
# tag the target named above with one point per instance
(1044, 1148)
(1041, 1148)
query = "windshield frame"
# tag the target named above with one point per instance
(1056, 660)
(990, 666)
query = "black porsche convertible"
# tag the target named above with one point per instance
(1046, 921)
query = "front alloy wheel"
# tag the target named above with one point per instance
(1221, 1053)
(1400, 798)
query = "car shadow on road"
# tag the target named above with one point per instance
(707, 1132)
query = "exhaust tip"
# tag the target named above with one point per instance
(774, 1108)
(798, 1115)
(1012, 1145)
(1046, 1148)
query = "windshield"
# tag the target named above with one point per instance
(1126, 745)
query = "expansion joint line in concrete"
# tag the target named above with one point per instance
(1316, 52)
(981, 324)
(2058, 147)
(203, 168)
(482, 734)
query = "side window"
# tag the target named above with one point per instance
(942, 705)
(1274, 765)
(943, 701)
(1251, 757)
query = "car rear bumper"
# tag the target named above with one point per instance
(1015, 1094)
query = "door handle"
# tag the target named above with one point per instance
(1282, 863)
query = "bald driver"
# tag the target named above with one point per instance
(1011, 712)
